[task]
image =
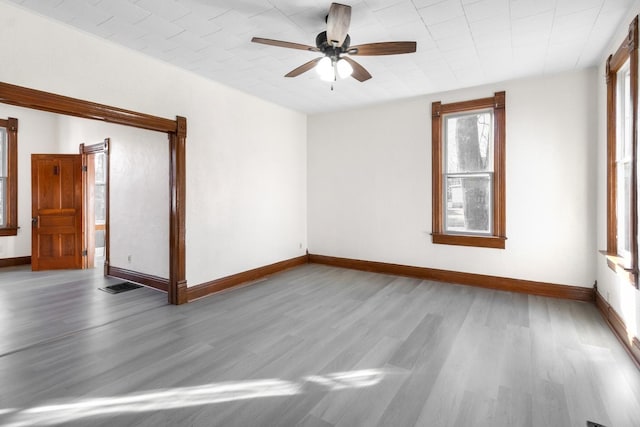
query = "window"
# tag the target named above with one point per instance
(8, 177)
(622, 194)
(468, 149)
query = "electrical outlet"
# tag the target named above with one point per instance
(129, 259)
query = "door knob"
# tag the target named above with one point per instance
(34, 220)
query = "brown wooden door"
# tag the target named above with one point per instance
(56, 211)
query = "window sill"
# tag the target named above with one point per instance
(9, 231)
(493, 242)
(616, 263)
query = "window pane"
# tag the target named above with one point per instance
(100, 238)
(3, 152)
(623, 113)
(99, 166)
(468, 204)
(624, 154)
(468, 146)
(623, 208)
(627, 114)
(3, 192)
(100, 203)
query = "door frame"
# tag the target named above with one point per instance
(89, 220)
(176, 131)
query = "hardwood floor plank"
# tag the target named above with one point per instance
(335, 405)
(550, 404)
(423, 338)
(513, 408)
(311, 421)
(476, 409)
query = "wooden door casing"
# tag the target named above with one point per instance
(57, 214)
(90, 214)
(89, 153)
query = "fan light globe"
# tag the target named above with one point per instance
(325, 69)
(344, 69)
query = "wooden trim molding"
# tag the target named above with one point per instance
(628, 50)
(107, 210)
(178, 195)
(52, 103)
(88, 153)
(467, 240)
(498, 220)
(137, 277)
(177, 132)
(629, 44)
(243, 278)
(100, 147)
(478, 280)
(436, 168)
(14, 262)
(612, 243)
(619, 328)
(616, 263)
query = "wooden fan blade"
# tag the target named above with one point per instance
(289, 45)
(338, 22)
(384, 48)
(303, 68)
(359, 72)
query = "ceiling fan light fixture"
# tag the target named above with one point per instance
(343, 68)
(335, 42)
(325, 69)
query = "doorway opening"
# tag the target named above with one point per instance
(177, 136)
(95, 160)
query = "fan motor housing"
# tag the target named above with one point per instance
(329, 50)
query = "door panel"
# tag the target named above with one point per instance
(56, 208)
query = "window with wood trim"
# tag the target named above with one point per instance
(8, 177)
(622, 161)
(468, 155)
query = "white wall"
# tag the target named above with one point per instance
(369, 176)
(139, 191)
(623, 297)
(246, 158)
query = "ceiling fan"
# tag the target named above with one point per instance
(335, 45)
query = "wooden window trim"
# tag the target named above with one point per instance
(11, 228)
(497, 240)
(628, 50)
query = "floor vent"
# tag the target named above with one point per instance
(127, 286)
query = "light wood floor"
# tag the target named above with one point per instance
(313, 346)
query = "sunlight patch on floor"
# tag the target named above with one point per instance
(180, 397)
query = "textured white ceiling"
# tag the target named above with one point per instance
(461, 43)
